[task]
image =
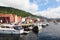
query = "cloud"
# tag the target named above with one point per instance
(41, 2)
(33, 7)
(20, 4)
(57, 0)
(50, 13)
(1, 4)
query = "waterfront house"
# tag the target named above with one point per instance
(30, 20)
(9, 18)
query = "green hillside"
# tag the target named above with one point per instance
(7, 10)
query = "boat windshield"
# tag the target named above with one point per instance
(17, 27)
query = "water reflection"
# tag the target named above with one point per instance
(51, 32)
(32, 35)
(9, 37)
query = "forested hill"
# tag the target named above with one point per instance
(18, 12)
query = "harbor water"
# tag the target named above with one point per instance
(30, 36)
(9, 37)
(51, 32)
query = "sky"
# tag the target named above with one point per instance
(46, 8)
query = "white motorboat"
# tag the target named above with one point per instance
(9, 29)
(12, 29)
(21, 29)
(39, 26)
